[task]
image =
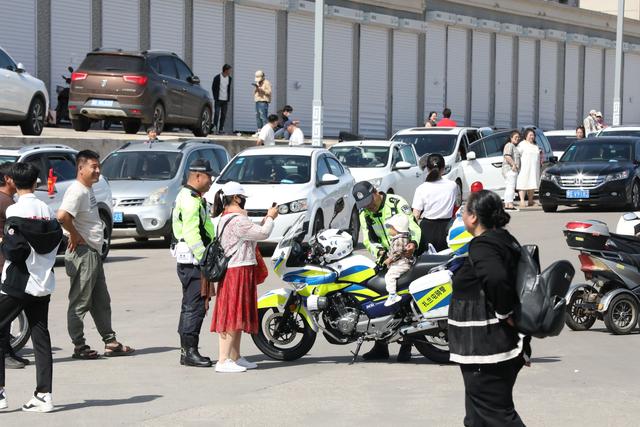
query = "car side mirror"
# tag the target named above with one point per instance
(553, 159)
(402, 165)
(471, 155)
(328, 179)
(194, 80)
(20, 68)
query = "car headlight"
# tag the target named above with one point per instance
(549, 177)
(293, 207)
(158, 197)
(447, 169)
(377, 182)
(618, 176)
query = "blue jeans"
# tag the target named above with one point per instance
(281, 133)
(262, 110)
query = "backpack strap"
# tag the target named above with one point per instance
(219, 236)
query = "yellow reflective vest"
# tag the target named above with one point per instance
(191, 222)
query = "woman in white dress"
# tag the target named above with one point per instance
(529, 175)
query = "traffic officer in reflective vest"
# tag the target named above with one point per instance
(192, 232)
(376, 208)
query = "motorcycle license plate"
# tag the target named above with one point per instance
(118, 217)
(577, 194)
(102, 103)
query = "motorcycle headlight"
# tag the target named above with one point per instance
(377, 182)
(293, 207)
(618, 176)
(158, 197)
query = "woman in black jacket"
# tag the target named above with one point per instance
(482, 337)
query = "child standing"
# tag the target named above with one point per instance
(397, 260)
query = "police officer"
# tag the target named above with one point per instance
(192, 231)
(376, 208)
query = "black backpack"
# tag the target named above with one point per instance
(214, 262)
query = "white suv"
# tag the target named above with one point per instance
(24, 100)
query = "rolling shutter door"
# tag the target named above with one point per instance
(18, 32)
(337, 77)
(121, 24)
(70, 43)
(372, 104)
(436, 49)
(300, 69)
(456, 79)
(167, 26)
(593, 80)
(571, 87)
(481, 78)
(208, 40)
(526, 81)
(504, 80)
(548, 84)
(405, 80)
(631, 90)
(609, 71)
(252, 53)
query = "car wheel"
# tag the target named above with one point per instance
(204, 124)
(158, 118)
(131, 126)
(34, 123)
(318, 223)
(81, 124)
(354, 226)
(635, 196)
(549, 208)
(622, 315)
(106, 233)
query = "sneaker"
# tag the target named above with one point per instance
(246, 364)
(11, 363)
(3, 400)
(513, 209)
(40, 402)
(229, 366)
(393, 298)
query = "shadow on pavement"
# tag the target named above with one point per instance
(111, 259)
(138, 352)
(108, 402)
(334, 360)
(546, 359)
(149, 244)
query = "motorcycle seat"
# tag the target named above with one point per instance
(421, 267)
(622, 243)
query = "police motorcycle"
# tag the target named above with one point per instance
(342, 295)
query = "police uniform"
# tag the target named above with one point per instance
(192, 232)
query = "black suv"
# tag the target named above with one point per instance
(150, 88)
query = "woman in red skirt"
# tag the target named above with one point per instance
(236, 308)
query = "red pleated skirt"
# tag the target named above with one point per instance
(236, 306)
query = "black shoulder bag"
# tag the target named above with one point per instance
(214, 263)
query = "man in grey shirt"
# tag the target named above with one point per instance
(79, 216)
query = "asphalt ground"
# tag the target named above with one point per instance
(577, 379)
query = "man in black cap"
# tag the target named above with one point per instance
(376, 208)
(192, 232)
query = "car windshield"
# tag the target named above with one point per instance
(430, 144)
(362, 156)
(621, 132)
(141, 165)
(8, 159)
(100, 62)
(265, 169)
(594, 151)
(561, 142)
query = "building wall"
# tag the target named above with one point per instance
(631, 7)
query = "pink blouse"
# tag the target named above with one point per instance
(242, 234)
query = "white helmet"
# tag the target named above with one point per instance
(337, 244)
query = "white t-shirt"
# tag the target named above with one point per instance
(297, 137)
(81, 203)
(266, 135)
(436, 199)
(223, 93)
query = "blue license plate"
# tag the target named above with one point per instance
(102, 103)
(577, 194)
(118, 217)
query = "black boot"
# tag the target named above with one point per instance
(190, 355)
(404, 355)
(380, 351)
(197, 338)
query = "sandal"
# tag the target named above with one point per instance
(117, 351)
(84, 352)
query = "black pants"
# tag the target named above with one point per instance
(37, 311)
(434, 231)
(219, 111)
(192, 311)
(489, 394)
(5, 339)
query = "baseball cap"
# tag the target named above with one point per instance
(259, 75)
(232, 188)
(599, 114)
(363, 193)
(202, 166)
(592, 112)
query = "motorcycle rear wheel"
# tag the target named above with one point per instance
(19, 332)
(622, 315)
(575, 318)
(277, 347)
(433, 348)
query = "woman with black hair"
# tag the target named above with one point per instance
(482, 336)
(433, 204)
(432, 120)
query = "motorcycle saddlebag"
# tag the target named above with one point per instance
(432, 294)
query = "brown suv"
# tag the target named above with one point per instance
(150, 88)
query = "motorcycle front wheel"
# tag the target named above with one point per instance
(434, 348)
(283, 338)
(19, 332)
(576, 318)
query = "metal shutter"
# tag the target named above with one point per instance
(300, 69)
(631, 90)
(504, 80)
(526, 81)
(70, 38)
(255, 49)
(480, 78)
(372, 104)
(593, 79)
(609, 71)
(18, 32)
(405, 80)
(548, 84)
(435, 48)
(456, 79)
(208, 40)
(572, 116)
(121, 24)
(337, 87)
(167, 26)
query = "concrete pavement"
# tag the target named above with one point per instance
(577, 379)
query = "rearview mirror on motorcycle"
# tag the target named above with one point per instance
(339, 207)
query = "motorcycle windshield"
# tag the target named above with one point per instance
(292, 233)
